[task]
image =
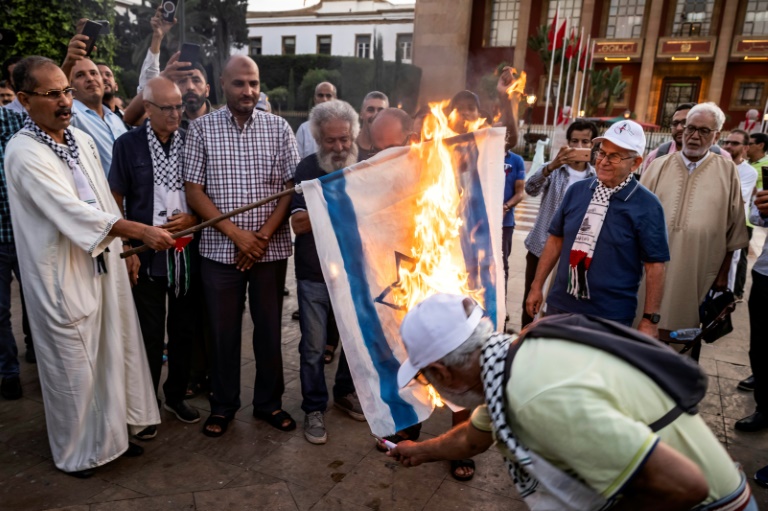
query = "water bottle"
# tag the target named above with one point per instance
(685, 334)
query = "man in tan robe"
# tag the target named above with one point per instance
(704, 211)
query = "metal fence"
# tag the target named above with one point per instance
(653, 138)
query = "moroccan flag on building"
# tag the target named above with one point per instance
(555, 35)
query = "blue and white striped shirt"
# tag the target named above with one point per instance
(554, 187)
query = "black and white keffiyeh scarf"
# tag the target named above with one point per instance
(169, 200)
(584, 245)
(71, 156)
(543, 486)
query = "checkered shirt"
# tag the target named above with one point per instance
(238, 167)
(10, 123)
(554, 187)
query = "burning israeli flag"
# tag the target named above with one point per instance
(392, 230)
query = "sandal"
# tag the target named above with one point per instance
(276, 419)
(457, 464)
(216, 420)
(328, 355)
(411, 433)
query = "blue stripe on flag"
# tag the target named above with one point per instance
(475, 234)
(344, 222)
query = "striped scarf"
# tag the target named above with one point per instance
(584, 245)
(169, 200)
(85, 188)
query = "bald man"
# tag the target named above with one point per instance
(89, 114)
(146, 181)
(392, 127)
(325, 91)
(232, 157)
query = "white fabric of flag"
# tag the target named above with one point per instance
(363, 220)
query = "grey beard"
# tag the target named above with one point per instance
(327, 164)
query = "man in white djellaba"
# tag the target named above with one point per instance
(93, 369)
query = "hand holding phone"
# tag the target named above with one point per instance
(580, 154)
(92, 30)
(169, 10)
(189, 53)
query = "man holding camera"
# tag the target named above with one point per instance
(607, 231)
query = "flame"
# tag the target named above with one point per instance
(434, 396)
(436, 267)
(517, 85)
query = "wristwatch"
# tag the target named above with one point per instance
(653, 318)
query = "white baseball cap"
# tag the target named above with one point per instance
(625, 134)
(433, 329)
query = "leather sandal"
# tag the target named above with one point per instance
(276, 419)
(216, 420)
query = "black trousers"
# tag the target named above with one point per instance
(741, 269)
(758, 338)
(225, 287)
(182, 322)
(531, 263)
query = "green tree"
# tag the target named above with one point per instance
(378, 65)
(278, 97)
(291, 101)
(217, 26)
(614, 88)
(311, 79)
(46, 28)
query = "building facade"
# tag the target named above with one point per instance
(670, 51)
(345, 28)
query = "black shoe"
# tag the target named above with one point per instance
(30, 356)
(133, 451)
(761, 477)
(147, 433)
(295, 315)
(758, 421)
(747, 384)
(183, 411)
(81, 474)
(10, 388)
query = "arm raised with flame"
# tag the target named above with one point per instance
(510, 88)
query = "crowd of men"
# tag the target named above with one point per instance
(636, 240)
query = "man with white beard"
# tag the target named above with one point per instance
(334, 126)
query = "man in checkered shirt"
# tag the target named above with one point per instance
(233, 157)
(10, 384)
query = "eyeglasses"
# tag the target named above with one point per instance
(704, 132)
(168, 110)
(321, 95)
(53, 93)
(681, 124)
(731, 142)
(612, 158)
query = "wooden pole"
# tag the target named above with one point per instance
(212, 221)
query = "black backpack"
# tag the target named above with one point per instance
(680, 377)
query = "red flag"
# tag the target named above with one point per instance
(182, 242)
(555, 39)
(573, 45)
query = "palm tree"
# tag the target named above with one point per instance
(614, 88)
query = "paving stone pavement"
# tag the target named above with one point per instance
(254, 466)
